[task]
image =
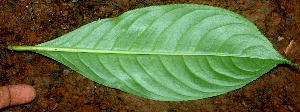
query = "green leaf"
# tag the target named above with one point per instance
(167, 53)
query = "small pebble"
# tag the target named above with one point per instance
(66, 71)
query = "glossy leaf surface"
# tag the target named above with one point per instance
(167, 53)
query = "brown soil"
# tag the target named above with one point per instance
(30, 22)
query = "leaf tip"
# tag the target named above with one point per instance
(291, 63)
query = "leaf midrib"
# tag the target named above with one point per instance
(100, 51)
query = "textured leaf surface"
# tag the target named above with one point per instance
(167, 53)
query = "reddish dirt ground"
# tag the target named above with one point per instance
(30, 22)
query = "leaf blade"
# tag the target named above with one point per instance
(167, 53)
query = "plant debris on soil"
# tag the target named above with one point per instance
(30, 22)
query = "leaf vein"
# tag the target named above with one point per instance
(177, 80)
(128, 28)
(210, 30)
(123, 82)
(90, 68)
(139, 36)
(153, 77)
(181, 37)
(155, 43)
(188, 67)
(137, 82)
